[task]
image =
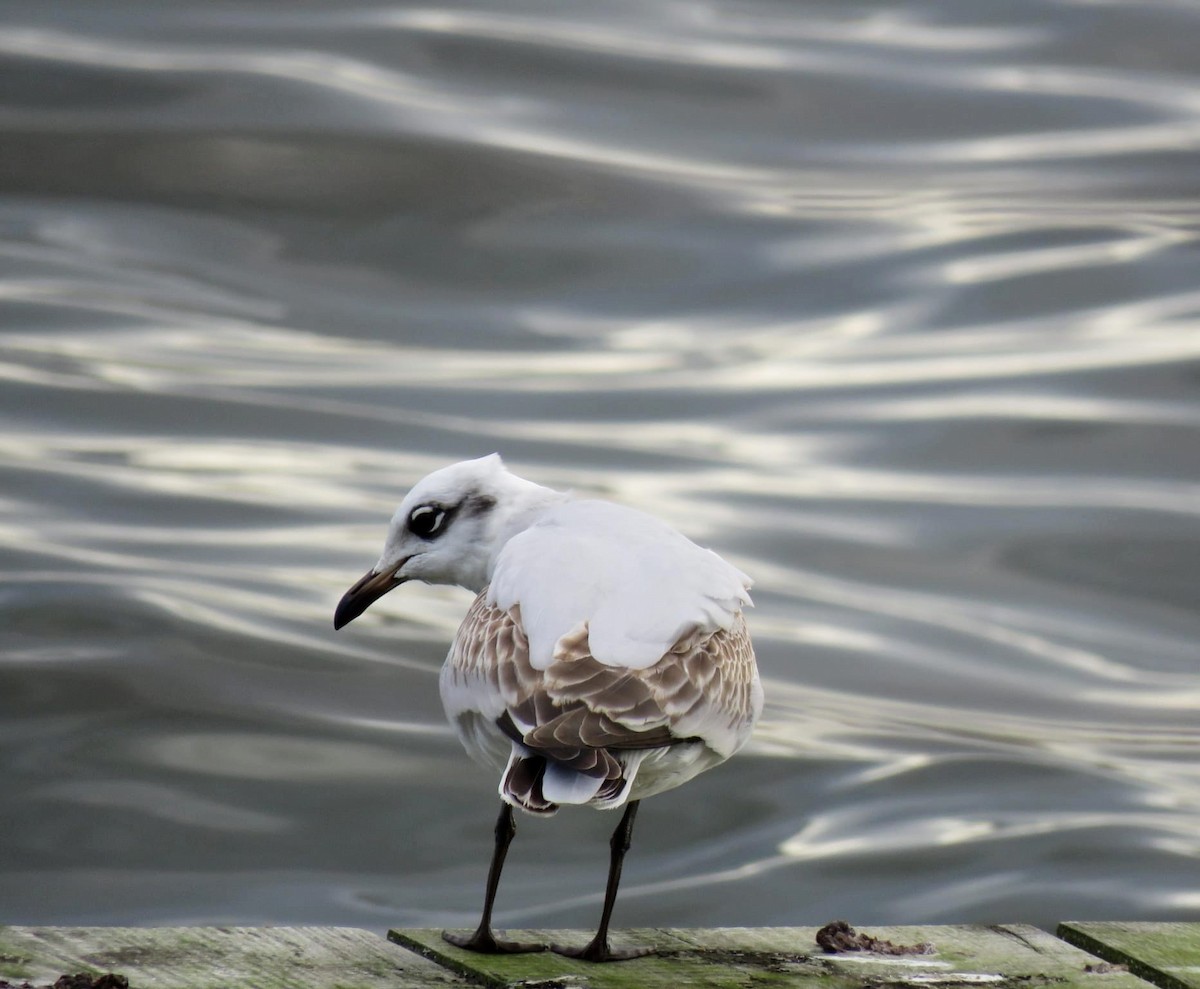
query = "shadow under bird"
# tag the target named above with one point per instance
(605, 658)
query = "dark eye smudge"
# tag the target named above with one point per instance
(430, 521)
(479, 504)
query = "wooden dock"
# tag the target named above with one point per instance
(1094, 955)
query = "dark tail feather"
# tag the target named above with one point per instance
(522, 785)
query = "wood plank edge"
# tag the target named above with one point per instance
(444, 959)
(1067, 931)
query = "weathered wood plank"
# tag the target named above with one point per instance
(1002, 957)
(218, 958)
(1166, 954)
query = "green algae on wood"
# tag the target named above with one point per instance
(1000, 957)
(217, 957)
(1167, 954)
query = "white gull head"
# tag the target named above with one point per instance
(449, 530)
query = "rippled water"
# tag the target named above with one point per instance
(894, 304)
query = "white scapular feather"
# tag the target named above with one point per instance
(638, 584)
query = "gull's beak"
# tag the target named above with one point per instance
(366, 591)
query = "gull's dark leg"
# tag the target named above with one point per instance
(598, 950)
(484, 939)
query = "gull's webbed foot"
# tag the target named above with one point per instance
(485, 941)
(598, 950)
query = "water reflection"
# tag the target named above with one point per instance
(895, 308)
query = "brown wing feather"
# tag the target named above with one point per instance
(578, 708)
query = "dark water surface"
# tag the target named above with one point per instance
(896, 305)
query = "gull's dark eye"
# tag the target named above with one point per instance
(427, 521)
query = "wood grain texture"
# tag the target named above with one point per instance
(218, 958)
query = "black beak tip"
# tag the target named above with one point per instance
(352, 604)
(367, 590)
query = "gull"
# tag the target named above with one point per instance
(604, 660)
